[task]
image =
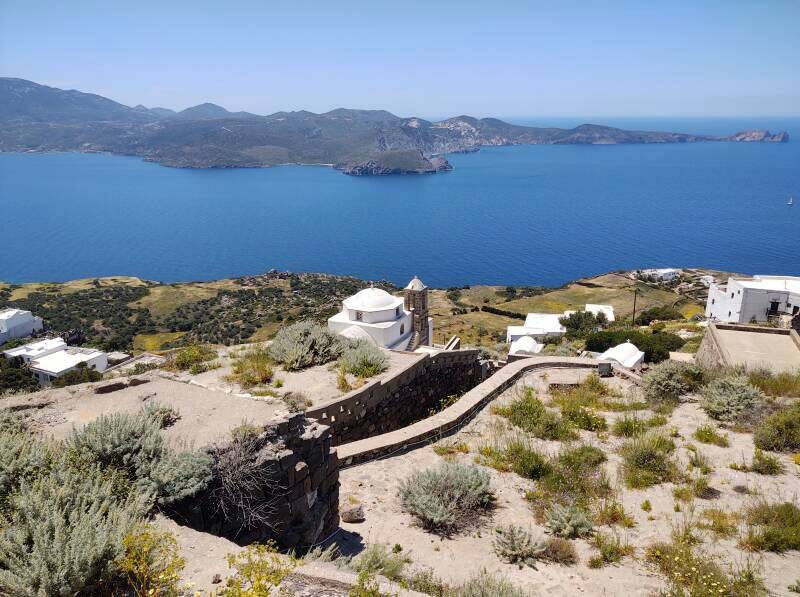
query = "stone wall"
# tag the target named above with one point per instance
(451, 419)
(296, 496)
(410, 395)
(710, 353)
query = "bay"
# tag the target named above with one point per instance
(506, 215)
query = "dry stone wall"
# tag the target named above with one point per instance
(295, 500)
(412, 394)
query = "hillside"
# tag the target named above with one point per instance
(124, 313)
(38, 118)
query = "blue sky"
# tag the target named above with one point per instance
(434, 58)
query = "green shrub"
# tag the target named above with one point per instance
(773, 527)
(448, 497)
(766, 464)
(529, 413)
(583, 418)
(526, 461)
(720, 522)
(780, 432)
(151, 562)
(486, 585)
(731, 399)
(568, 522)
(378, 559)
(628, 426)
(515, 545)
(363, 360)
(304, 344)
(162, 414)
(259, 569)
(611, 512)
(560, 551)
(776, 384)
(668, 381)
(611, 550)
(647, 461)
(253, 368)
(708, 434)
(647, 506)
(656, 346)
(694, 573)
(62, 533)
(191, 357)
(178, 476)
(663, 313)
(575, 478)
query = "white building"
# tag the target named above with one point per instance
(757, 299)
(16, 323)
(525, 346)
(36, 350)
(606, 310)
(375, 315)
(667, 274)
(54, 365)
(538, 326)
(625, 354)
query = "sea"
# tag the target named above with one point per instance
(523, 215)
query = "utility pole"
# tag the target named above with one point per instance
(633, 319)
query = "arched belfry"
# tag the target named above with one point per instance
(416, 301)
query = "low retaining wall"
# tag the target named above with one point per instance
(454, 417)
(296, 495)
(413, 393)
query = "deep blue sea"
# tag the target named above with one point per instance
(510, 215)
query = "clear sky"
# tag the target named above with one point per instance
(434, 58)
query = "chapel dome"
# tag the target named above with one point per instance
(371, 299)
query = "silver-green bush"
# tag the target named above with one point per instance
(62, 533)
(486, 585)
(377, 559)
(22, 458)
(732, 399)
(515, 545)
(124, 441)
(178, 476)
(448, 497)
(668, 381)
(304, 344)
(363, 360)
(568, 522)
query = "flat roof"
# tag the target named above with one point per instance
(58, 362)
(778, 352)
(9, 312)
(774, 283)
(32, 349)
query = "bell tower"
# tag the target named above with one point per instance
(416, 301)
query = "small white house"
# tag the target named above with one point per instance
(52, 366)
(759, 298)
(666, 274)
(538, 326)
(606, 310)
(375, 315)
(625, 354)
(526, 345)
(17, 323)
(36, 350)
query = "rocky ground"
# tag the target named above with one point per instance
(375, 486)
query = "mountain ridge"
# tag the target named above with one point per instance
(37, 118)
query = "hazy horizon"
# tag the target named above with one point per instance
(528, 60)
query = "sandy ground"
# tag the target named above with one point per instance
(376, 483)
(318, 383)
(205, 416)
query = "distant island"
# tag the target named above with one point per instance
(37, 118)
